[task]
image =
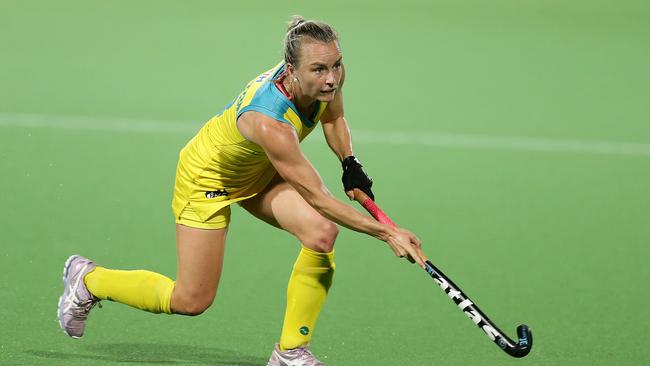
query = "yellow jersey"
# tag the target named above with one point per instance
(219, 166)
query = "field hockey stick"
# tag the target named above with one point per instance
(519, 349)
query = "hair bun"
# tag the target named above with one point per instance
(295, 21)
(299, 28)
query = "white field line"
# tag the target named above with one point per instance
(108, 124)
(504, 143)
(462, 141)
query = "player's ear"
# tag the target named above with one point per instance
(292, 73)
(291, 69)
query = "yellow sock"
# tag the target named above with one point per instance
(144, 290)
(308, 285)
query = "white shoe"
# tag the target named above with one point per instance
(76, 302)
(300, 356)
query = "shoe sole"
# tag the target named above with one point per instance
(66, 269)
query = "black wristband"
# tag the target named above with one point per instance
(350, 161)
(355, 177)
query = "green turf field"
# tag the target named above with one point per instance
(512, 136)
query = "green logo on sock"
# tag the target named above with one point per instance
(304, 330)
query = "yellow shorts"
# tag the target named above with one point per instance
(219, 220)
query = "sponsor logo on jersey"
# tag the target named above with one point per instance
(217, 193)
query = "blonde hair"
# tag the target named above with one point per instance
(298, 28)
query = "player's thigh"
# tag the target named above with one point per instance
(282, 206)
(200, 260)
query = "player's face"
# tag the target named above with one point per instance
(319, 70)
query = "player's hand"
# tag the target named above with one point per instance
(355, 177)
(406, 245)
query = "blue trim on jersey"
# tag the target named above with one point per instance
(265, 102)
(270, 101)
(277, 72)
(309, 122)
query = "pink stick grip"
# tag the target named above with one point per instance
(377, 213)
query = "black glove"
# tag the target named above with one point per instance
(355, 177)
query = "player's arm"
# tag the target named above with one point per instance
(281, 144)
(335, 127)
(337, 134)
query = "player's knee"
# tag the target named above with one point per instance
(322, 236)
(197, 308)
(192, 305)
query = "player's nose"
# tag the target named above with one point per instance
(330, 80)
